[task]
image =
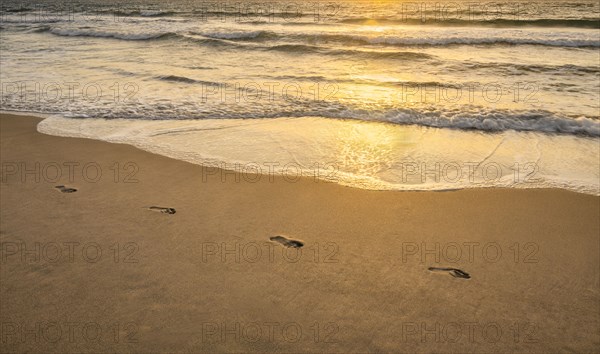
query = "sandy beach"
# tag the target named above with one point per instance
(299, 177)
(99, 270)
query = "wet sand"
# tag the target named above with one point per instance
(100, 270)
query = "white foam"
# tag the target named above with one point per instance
(106, 34)
(359, 154)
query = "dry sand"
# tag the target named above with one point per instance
(208, 278)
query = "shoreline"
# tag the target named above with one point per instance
(181, 282)
(437, 168)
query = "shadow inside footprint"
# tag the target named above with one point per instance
(163, 210)
(455, 272)
(286, 241)
(65, 189)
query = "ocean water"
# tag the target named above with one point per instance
(373, 94)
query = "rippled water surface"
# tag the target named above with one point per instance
(486, 68)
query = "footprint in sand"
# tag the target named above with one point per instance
(286, 241)
(162, 210)
(65, 189)
(455, 272)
